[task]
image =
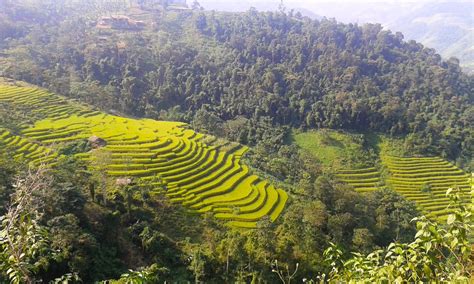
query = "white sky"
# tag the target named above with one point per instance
(310, 2)
(306, 3)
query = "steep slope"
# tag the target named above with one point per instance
(369, 162)
(425, 180)
(445, 26)
(363, 180)
(164, 155)
(277, 66)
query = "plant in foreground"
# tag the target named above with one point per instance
(438, 253)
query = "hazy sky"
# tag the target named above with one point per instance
(310, 3)
(382, 11)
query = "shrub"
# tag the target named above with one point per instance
(439, 253)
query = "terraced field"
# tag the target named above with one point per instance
(173, 158)
(363, 180)
(425, 181)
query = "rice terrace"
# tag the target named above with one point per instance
(421, 179)
(165, 155)
(169, 156)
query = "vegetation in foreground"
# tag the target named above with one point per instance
(96, 240)
(41, 241)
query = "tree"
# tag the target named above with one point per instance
(24, 248)
(196, 5)
(206, 121)
(127, 188)
(438, 253)
(150, 274)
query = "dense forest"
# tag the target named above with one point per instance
(250, 78)
(277, 66)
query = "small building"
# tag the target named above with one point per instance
(120, 22)
(123, 181)
(96, 142)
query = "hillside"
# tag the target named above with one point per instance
(443, 25)
(123, 181)
(295, 72)
(369, 162)
(151, 143)
(163, 156)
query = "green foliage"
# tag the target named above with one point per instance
(7, 172)
(67, 279)
(24, 243)
(438, 253)
(149, 274)
(76, 147)
(426, 188)
(292, 70)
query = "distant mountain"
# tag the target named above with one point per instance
(308, 13)
(238, 5)
(447, 27)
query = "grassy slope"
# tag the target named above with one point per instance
(335, 149)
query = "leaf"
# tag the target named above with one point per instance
(451, 219)
(398, 250)
(419, 233)
(427, 269)
(448, 192)
(454, 242)
(428, 246)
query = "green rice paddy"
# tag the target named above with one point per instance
(333, 149)
(423, 180)
(202, 177)
(363, 180)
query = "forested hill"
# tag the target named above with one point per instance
(276, 67)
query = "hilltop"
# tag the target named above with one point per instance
(443, 25)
